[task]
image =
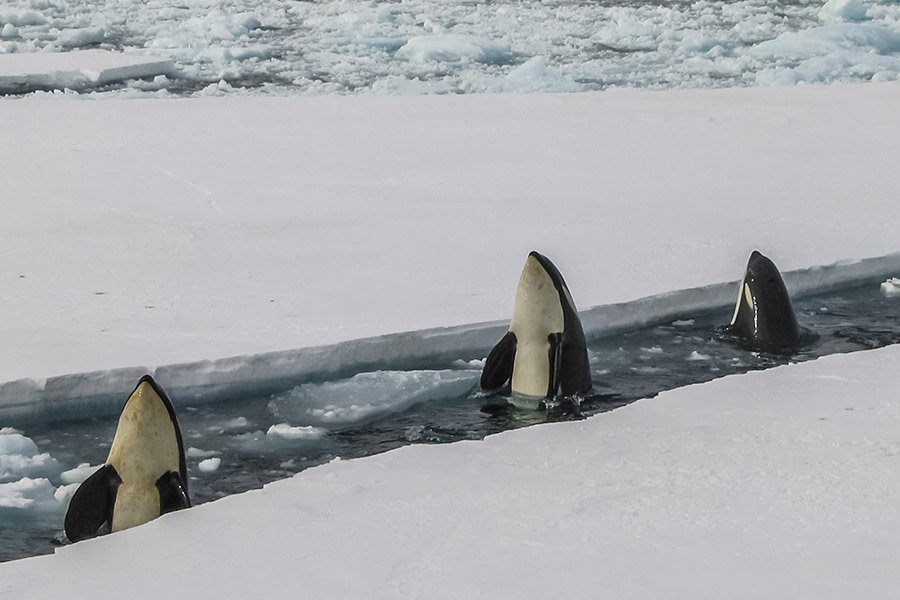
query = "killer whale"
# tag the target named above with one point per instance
(145, 474)
(764, 317)
(543, 354)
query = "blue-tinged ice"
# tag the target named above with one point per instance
(369, 395)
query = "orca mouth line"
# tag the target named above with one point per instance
(262, 438)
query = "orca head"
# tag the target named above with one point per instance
(147, 438)
(764, 315)
(538, 309)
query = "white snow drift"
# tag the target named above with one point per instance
(775, 484)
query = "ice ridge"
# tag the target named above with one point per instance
(84, 395)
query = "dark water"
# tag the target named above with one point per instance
(626, 367)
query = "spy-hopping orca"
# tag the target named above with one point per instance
(543, 354)
(144, 475)
(763, 316)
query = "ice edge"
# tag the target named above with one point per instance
(82, 395)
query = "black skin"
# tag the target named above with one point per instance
(182, 465)
(91, 509)
(770, 325)
(570, 373)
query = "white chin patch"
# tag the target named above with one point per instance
(136, 503)
(144, 448)
(737, 305)
(537, 314)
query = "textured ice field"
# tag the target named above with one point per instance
(418, 46)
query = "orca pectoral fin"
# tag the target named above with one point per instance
(172, 493)
(555, 355)
(92, 504)
(499, 364)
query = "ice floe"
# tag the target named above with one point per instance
(20, 457)
(891, 287)
(209, 465)
(367, 395)
(77, 70)
(19, 498)
(289, 432)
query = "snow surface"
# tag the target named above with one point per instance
(772, 484)
(141, 233)
(78, 69)
(153, 233)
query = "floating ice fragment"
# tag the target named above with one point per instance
(209, 465)
(535, 75)
(367, 395)
(27, 494)
(843, 10)
(13, 442)
(19, 457)
(80, 69)
(476, 363)
(79, 473)
(683, 323)
(697, 356)
(414, 433)
(236, 424)
(81, 37)
(21, 18)
(652, 350)
(891, 287)
(64, 493)
(454, 48)
(198, 453)
(286, 431)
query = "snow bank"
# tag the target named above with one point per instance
(78, 70)
(775, 484)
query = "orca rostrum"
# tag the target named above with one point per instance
(144, 475)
